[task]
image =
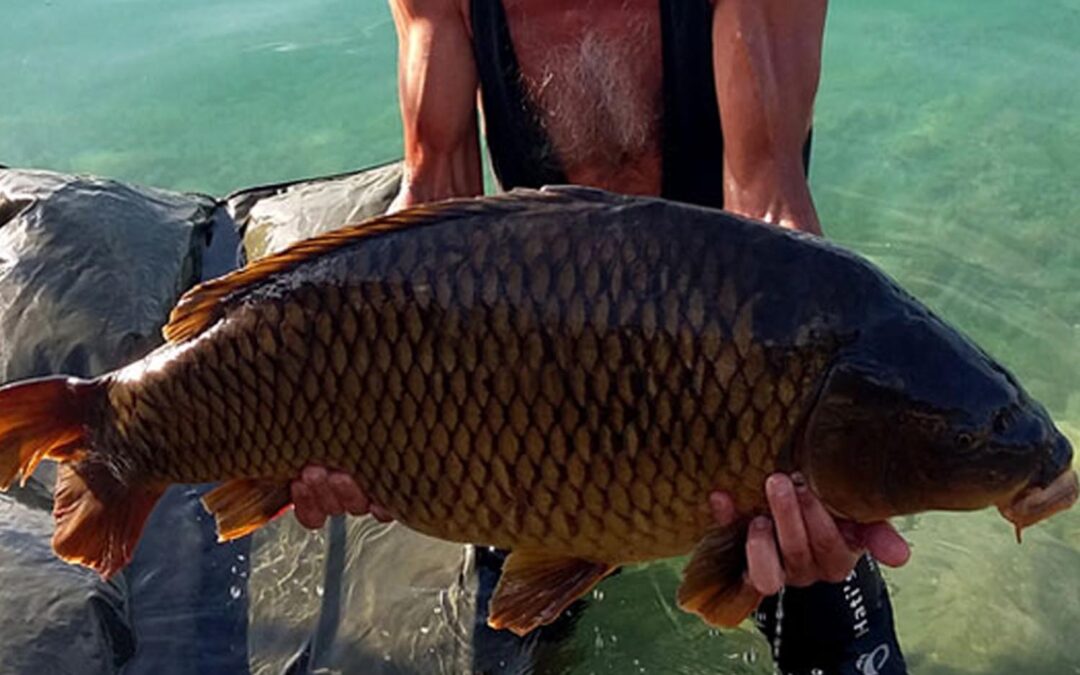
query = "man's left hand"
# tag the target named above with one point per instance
(802, 543)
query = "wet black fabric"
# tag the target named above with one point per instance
(693, 144)
(845, 628)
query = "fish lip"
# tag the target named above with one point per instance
(1034, 504)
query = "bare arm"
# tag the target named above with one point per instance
(767, 60)
(437, 85)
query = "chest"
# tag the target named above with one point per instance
(563, 45)
(594, 74)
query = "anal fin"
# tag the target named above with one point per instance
(244, 505)
(536, 587)
(713, 586)
(98, 517)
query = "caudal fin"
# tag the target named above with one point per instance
(41, 419)
(98, 517)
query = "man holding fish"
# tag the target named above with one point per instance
(584, 378)
(708, 102)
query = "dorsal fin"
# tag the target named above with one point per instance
(203, 305)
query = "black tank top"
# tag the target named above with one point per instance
(522, 155)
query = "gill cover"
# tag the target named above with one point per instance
(912, 416)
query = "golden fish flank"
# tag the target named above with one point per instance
(554, 373)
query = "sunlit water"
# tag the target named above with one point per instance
(947, 149)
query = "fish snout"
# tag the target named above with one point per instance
(1058, 459)
(1038, 502)
(1054, 487)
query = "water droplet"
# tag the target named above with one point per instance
(424, 630)
(437, 610)
(319, 590)
(235, 592)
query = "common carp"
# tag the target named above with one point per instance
(564, 373)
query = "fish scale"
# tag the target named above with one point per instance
(397, 440)
(567, 374)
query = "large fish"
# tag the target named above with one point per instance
(566, 374)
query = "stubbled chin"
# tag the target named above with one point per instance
(1035, 504)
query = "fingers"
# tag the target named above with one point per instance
(808, 546)
(799, 563)
(316, 478)
(306, 507)
(886, 544)
(319, 493)
(833, 557)
(803, 543)
(764, 570)
(381, 514)
(348, 493)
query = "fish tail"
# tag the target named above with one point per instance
(98, 516)
(42, 419)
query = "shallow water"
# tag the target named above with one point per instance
(947, 149)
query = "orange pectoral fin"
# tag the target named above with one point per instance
(713, 586)
(244, 505)
(535, 588)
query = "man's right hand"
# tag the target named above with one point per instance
(319, 493)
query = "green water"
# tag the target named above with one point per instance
(947, 149)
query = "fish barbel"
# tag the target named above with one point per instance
(564, 373)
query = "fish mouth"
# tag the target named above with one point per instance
(1035, 504)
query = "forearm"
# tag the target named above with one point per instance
(767, 61)
(456, 174)
(437, 86)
